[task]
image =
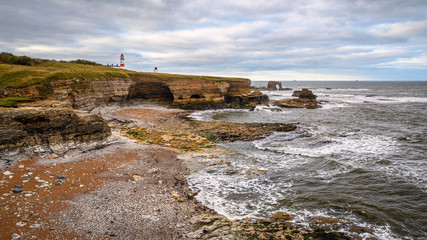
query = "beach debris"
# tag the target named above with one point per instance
(137, 178)
(15, 236)
(176, 196)
(35, 225)
(61, 176)
(20, 224)
(7, 173)
(17, 190)
(254, 171)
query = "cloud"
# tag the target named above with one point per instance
(333, 38)
(419, 62)
(406, 30)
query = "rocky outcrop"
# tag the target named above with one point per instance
(249, 100)
(87, 94)
(212, 94)
(306, 99)
(47, 129)
(188, 92)
(196, 94)
(150, 88)
(272, 85)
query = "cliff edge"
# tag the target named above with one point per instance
(87, 86)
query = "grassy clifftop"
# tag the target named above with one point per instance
(18, 76)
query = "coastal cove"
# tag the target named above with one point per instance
(127, 155)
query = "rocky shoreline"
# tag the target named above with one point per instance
(135, 187)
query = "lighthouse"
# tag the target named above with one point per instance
(122, 60)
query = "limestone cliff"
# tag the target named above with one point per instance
(47, 129)
(86, 94)
(88, 90)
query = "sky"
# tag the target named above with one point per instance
(256, 39)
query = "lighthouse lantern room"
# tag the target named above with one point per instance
(122, 60)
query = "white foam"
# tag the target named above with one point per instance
(207, 115)
(237, 197)
(364, 145)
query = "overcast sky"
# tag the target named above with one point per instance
(258, 39)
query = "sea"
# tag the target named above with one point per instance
(361, 158)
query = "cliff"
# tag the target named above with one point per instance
(85, 87)
(47, 128)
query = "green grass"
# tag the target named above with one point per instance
(170, 77)
(13, 101)
(19, 76)
(179, 135)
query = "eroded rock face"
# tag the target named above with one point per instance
(249, 100)
(198, 94)
(48, 128)
(187, 93)
(88, 94)
(150, 88)
(272, 85)
(306, 99)
(209, 94)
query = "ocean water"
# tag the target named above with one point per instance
(361, 157)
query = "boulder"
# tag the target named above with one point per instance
(307, 94)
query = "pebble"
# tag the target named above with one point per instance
(25, 181)
(35, 225)
(17, 190)
(137, 178)
(21, 166)
(7, 173)
(61, 176)
(20, 224)
(15, 236)
(28, 195)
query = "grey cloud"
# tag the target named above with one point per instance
(240, 34)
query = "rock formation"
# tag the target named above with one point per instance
(272, 85)
(306, 99)
(47, 128)
(188, 92)
(84, 88)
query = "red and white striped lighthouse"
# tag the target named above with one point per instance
(122, 60)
